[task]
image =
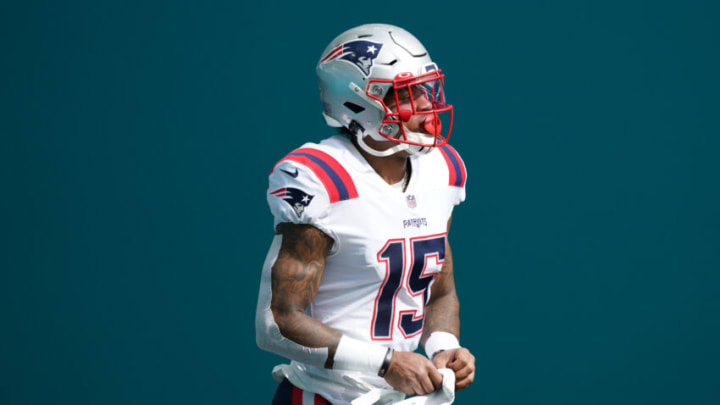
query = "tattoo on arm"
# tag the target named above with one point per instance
(442, 313)
(296, 277)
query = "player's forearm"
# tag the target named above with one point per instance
(292, 293)
(307, 331)
(442, 315)
(442, 325)
(442, 312)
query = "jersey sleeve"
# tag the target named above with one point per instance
(457, 173)
(295, 195)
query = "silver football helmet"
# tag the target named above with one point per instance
(374, 79)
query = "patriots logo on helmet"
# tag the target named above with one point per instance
(359, 52)
(295, 197)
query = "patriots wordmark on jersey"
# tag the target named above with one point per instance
(388, 245)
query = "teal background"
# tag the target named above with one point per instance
(137, 136)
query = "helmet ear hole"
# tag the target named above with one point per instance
(354, 107)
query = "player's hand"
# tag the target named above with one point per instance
(413, 374)
(461, 361)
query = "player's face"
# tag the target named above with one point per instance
(403, 103)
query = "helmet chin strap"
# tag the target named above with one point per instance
(412, 149)
(417, 137)
(379, 153)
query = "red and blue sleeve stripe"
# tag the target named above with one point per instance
(456, 167)
(334, 177)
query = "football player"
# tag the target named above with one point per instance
(360, 269)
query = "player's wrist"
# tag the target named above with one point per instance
(356, 355)
(440, 341)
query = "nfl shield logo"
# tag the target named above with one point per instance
(411, 201)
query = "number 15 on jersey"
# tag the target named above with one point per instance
(413, 277)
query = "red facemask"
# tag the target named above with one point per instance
(421, 95)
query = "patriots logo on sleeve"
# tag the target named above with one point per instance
(359, 52)
(295, 197)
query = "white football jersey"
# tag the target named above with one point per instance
(388, 244)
